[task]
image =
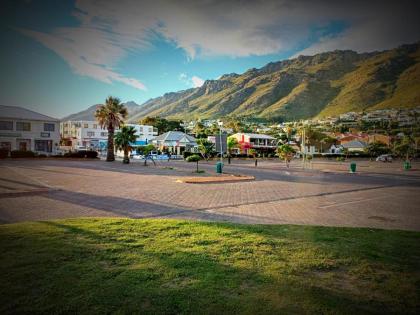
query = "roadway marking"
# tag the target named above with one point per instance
(350, 202)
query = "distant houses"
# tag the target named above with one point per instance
(259, 142)
(175, 142)
(26, 130)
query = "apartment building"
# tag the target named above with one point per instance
(26, 130)
(86, 135)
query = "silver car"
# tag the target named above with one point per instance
(384, 158)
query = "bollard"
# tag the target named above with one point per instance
(407, 165)
(352, 167)
(256, 162)
(219, 167)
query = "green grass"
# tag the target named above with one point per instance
(175, 267)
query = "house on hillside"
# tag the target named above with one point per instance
(26, 130)
(259, 142)
(355, 146)
(175, 142)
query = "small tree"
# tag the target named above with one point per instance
(376, 148)
(231, 144)
(146, 151)
(405, 148)
(123, 138)
(286, 153)
(194, 158)
(205, 147)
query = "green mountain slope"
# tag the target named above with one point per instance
(326, 84)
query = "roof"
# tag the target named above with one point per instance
(354, 144)
(256, 135)
(15, 112)
(175, 136)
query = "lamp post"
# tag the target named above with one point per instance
(220, 123)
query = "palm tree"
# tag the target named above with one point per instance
(111, 115)
(123, 138)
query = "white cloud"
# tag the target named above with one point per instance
(196, 81)
(88, 52)
(109, 30)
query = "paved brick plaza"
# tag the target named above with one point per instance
(51, 189)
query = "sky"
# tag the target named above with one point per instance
(60, 57)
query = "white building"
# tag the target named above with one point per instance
(82, 135)
(26, 130)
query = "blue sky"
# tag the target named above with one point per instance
(59, 57)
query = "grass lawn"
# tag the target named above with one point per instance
(172, 267)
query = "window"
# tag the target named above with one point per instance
(91, 134)
(86, 126)
(150, 129)
(23, 126)
(104, 134)
(49, 127)
(95, 126)
(6, 125)
(43, 145)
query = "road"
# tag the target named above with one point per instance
(52, 189)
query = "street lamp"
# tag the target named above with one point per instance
(220, 123)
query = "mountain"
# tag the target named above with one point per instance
(89, 114)
(326, 84)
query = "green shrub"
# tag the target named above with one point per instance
(193, 158)
(22, 154)
(4, 153)
(186, 154)
(82, 154)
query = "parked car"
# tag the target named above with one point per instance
(384, 158)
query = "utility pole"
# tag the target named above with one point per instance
(303, 147)
(220, 123)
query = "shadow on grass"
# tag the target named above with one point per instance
(107, 266)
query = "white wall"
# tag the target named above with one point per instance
(36, 132)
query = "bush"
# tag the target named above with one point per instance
(82, 154)
(42, 155)
(91, 154)
(4, 153)
(340, 158)
(193, 158)
(22, 154)
(186, 154)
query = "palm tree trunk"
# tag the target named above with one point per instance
(126, 159)
(110, 150)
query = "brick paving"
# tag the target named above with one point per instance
(52, 189)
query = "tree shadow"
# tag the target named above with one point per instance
(109, 269)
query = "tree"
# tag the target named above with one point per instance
(163, 125)
(232, 143)
(123, 138)
(205, 147)
(146, 151)
(194, 158)
(376, 148)
(405, 148)
(111, 115)
(346, 152)
(286, 153)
